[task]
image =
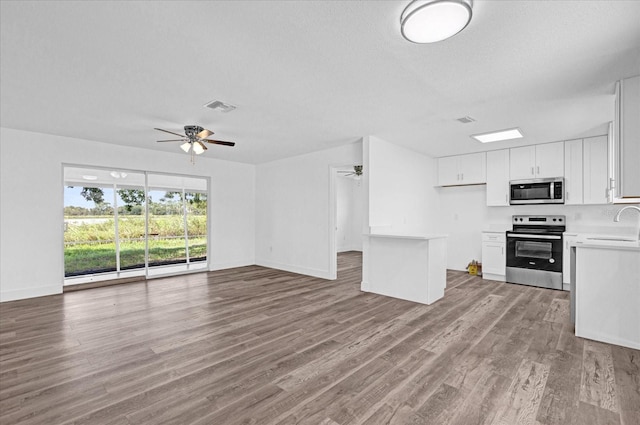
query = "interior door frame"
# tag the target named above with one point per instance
(333, 218)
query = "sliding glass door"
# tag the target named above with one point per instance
(89, 230)
(121, 223)
(131, 226)
(167, 242)
(196, 210)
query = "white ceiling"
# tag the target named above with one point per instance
(308, 75)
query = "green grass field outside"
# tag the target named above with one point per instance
(90, 245)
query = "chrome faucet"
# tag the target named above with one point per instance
(617, 217)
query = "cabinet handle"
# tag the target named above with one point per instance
(461, 176)
(538, 169)
(532, 173)
(458, 176)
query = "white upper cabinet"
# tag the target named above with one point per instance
(498, 178)
(462, 169)
(448, 173)
(624, 149)
(573, 172)
(595, 171)
(550, 160)
(522, 163)
(539, 161)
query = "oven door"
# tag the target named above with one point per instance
(534, 251)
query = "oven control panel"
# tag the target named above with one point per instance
(539, 220)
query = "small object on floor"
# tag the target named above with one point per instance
(472, 267)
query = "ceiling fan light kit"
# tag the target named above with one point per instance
(429, 21)
(194, 140)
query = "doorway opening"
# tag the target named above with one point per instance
(347, 214)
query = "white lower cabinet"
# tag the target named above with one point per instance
(494, 259)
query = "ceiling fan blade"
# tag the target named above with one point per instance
(202, 144)
(204, 134)
(170, 132)
(176, 140)
(219, 142)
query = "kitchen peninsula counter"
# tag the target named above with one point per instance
(606, 290)
(411, 267)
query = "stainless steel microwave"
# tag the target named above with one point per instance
(536, 191)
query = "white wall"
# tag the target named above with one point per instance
(465, 215)
(31, 204)
(402, 197)
(349, 214)
(292, 210)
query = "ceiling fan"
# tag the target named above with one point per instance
(357, 171)
(194, 140)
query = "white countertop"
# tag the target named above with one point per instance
(418, 237)
(597, 240)
(496, 228)
(631, 246)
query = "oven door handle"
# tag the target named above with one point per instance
(521, 235)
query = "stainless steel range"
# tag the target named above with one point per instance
(534, 250)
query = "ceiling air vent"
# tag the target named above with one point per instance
(216, 105)
(465, 120)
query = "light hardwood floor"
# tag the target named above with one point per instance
(260, 346)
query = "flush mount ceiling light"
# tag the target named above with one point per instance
(118, 174)
(498, 136)
(428, 21)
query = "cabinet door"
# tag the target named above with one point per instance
(522, 162)
(550, 160)
(624, 143)
(472, 168)
(448, 173)
(573, 172)
(629, 138)
(493, 258)
(498, 178)
(595, 170)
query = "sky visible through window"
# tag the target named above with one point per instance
(72, 198)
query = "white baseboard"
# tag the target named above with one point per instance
(490, 276)
(609, 339)
(323, 274)
(350, 248)
(365, 286)
(21, 294)
(231, 264)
